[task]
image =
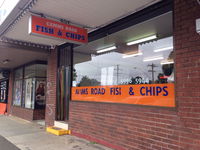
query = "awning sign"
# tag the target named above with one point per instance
(144, 94)
(53, 29)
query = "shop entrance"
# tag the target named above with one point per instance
(29, 95)
(65, 56)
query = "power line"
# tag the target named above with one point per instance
(152, 70)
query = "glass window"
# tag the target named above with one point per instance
(29, 71)
(41, 70)
(17, 98)
(40, 93)
(29, 91)
(148, 63)
(141, 74)
(36, 70)
(18, 74)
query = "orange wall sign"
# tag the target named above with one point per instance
(144, 94)
(49, 28)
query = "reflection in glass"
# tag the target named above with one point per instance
(29, 103)
(151, 63)
(35, 70)
(30, 86)
(17, 93)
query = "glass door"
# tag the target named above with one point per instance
(64, 81)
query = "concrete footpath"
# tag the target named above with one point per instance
(17, 133)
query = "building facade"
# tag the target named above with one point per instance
(139, 92)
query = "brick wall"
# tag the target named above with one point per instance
(27, 114)
(23, 113)
(39, 114)
(187, 44)
(148, 128)
(51, 88)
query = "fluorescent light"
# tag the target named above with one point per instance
(131, 55)
(163, 49)
(106, 49)
(153, 58)
(166, 62)
(142, 40)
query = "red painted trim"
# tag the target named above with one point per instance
(87, 137)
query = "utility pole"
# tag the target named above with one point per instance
(152, 70)
(118, 73)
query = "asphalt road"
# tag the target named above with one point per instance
(6, 145)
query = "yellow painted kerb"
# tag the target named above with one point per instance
(57, 131)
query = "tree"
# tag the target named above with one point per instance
(86, 81)
(74, 75)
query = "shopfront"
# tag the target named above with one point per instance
(29, 94)
(130, 82)
(121, 80)
(133, 66)
(137, 88)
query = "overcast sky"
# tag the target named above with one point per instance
(6, 7)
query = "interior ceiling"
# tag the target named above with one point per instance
(161, 26)
(18, 57)
(92, 13)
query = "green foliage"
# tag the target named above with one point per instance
(74, 75)
(86, 81)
